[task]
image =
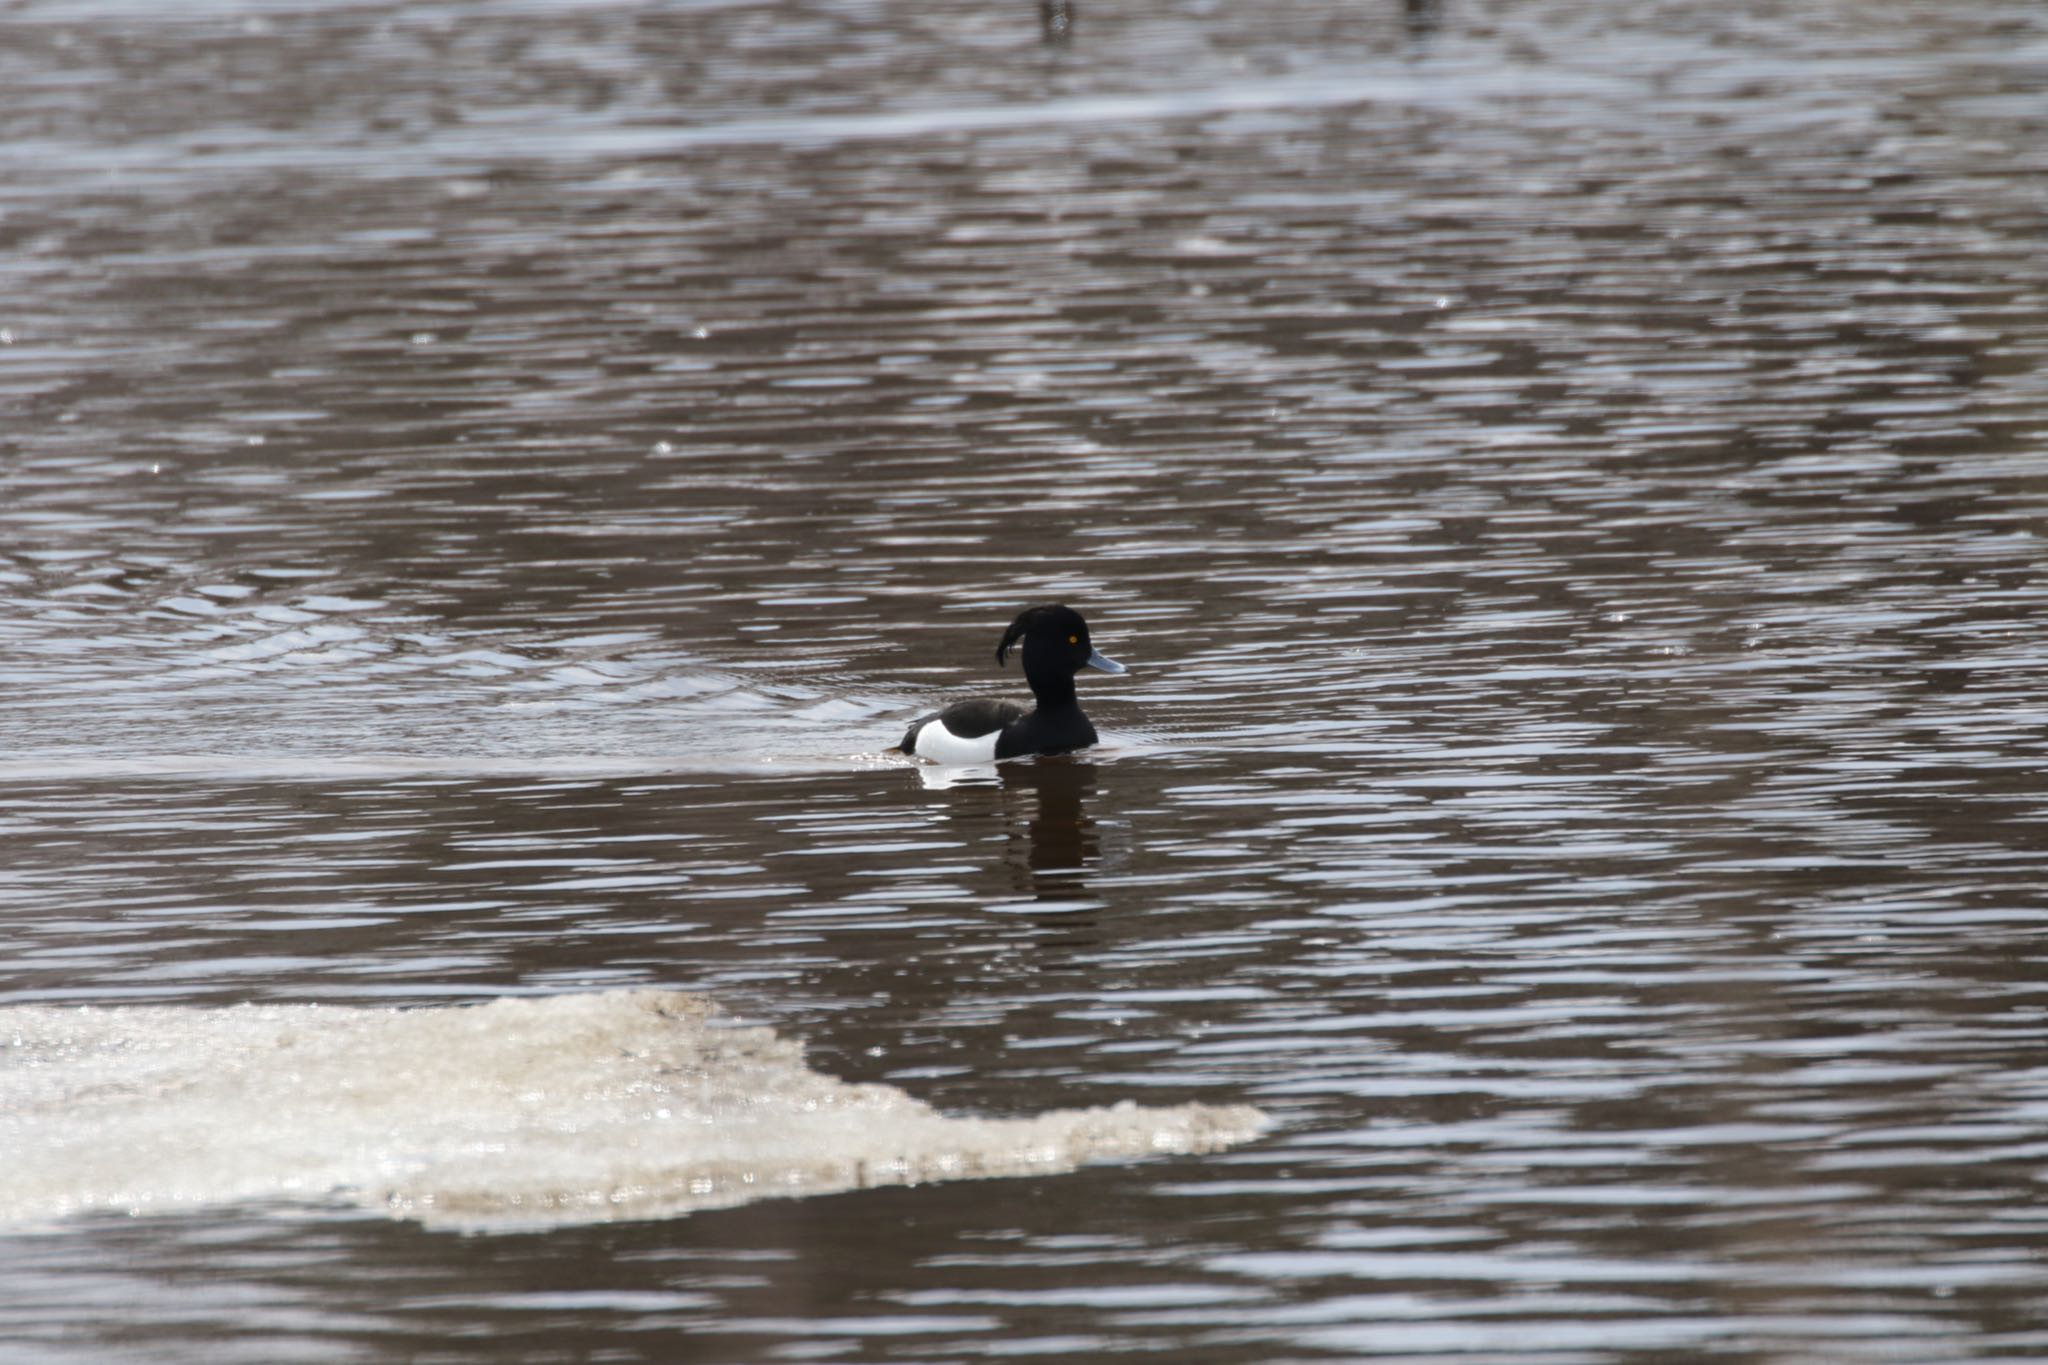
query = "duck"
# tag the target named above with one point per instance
(1054, 648)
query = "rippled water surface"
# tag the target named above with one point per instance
(482, 485)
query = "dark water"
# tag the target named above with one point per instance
(480, 485)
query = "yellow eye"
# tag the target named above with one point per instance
(1073, 639)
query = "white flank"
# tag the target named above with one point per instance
(940, 745)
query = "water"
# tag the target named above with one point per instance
(482, 487)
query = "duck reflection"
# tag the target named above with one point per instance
(1422, 19)
(1056, 21)
(1058, 841)
(1043, 805)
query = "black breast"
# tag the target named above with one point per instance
(1046, 731)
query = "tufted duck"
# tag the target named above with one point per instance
(1055, 648)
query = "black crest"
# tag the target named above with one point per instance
(1050, 620)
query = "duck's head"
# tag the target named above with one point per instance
(1055, 639)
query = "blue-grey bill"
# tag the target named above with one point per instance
(1097, 659)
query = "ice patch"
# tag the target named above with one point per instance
(519, 1113)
